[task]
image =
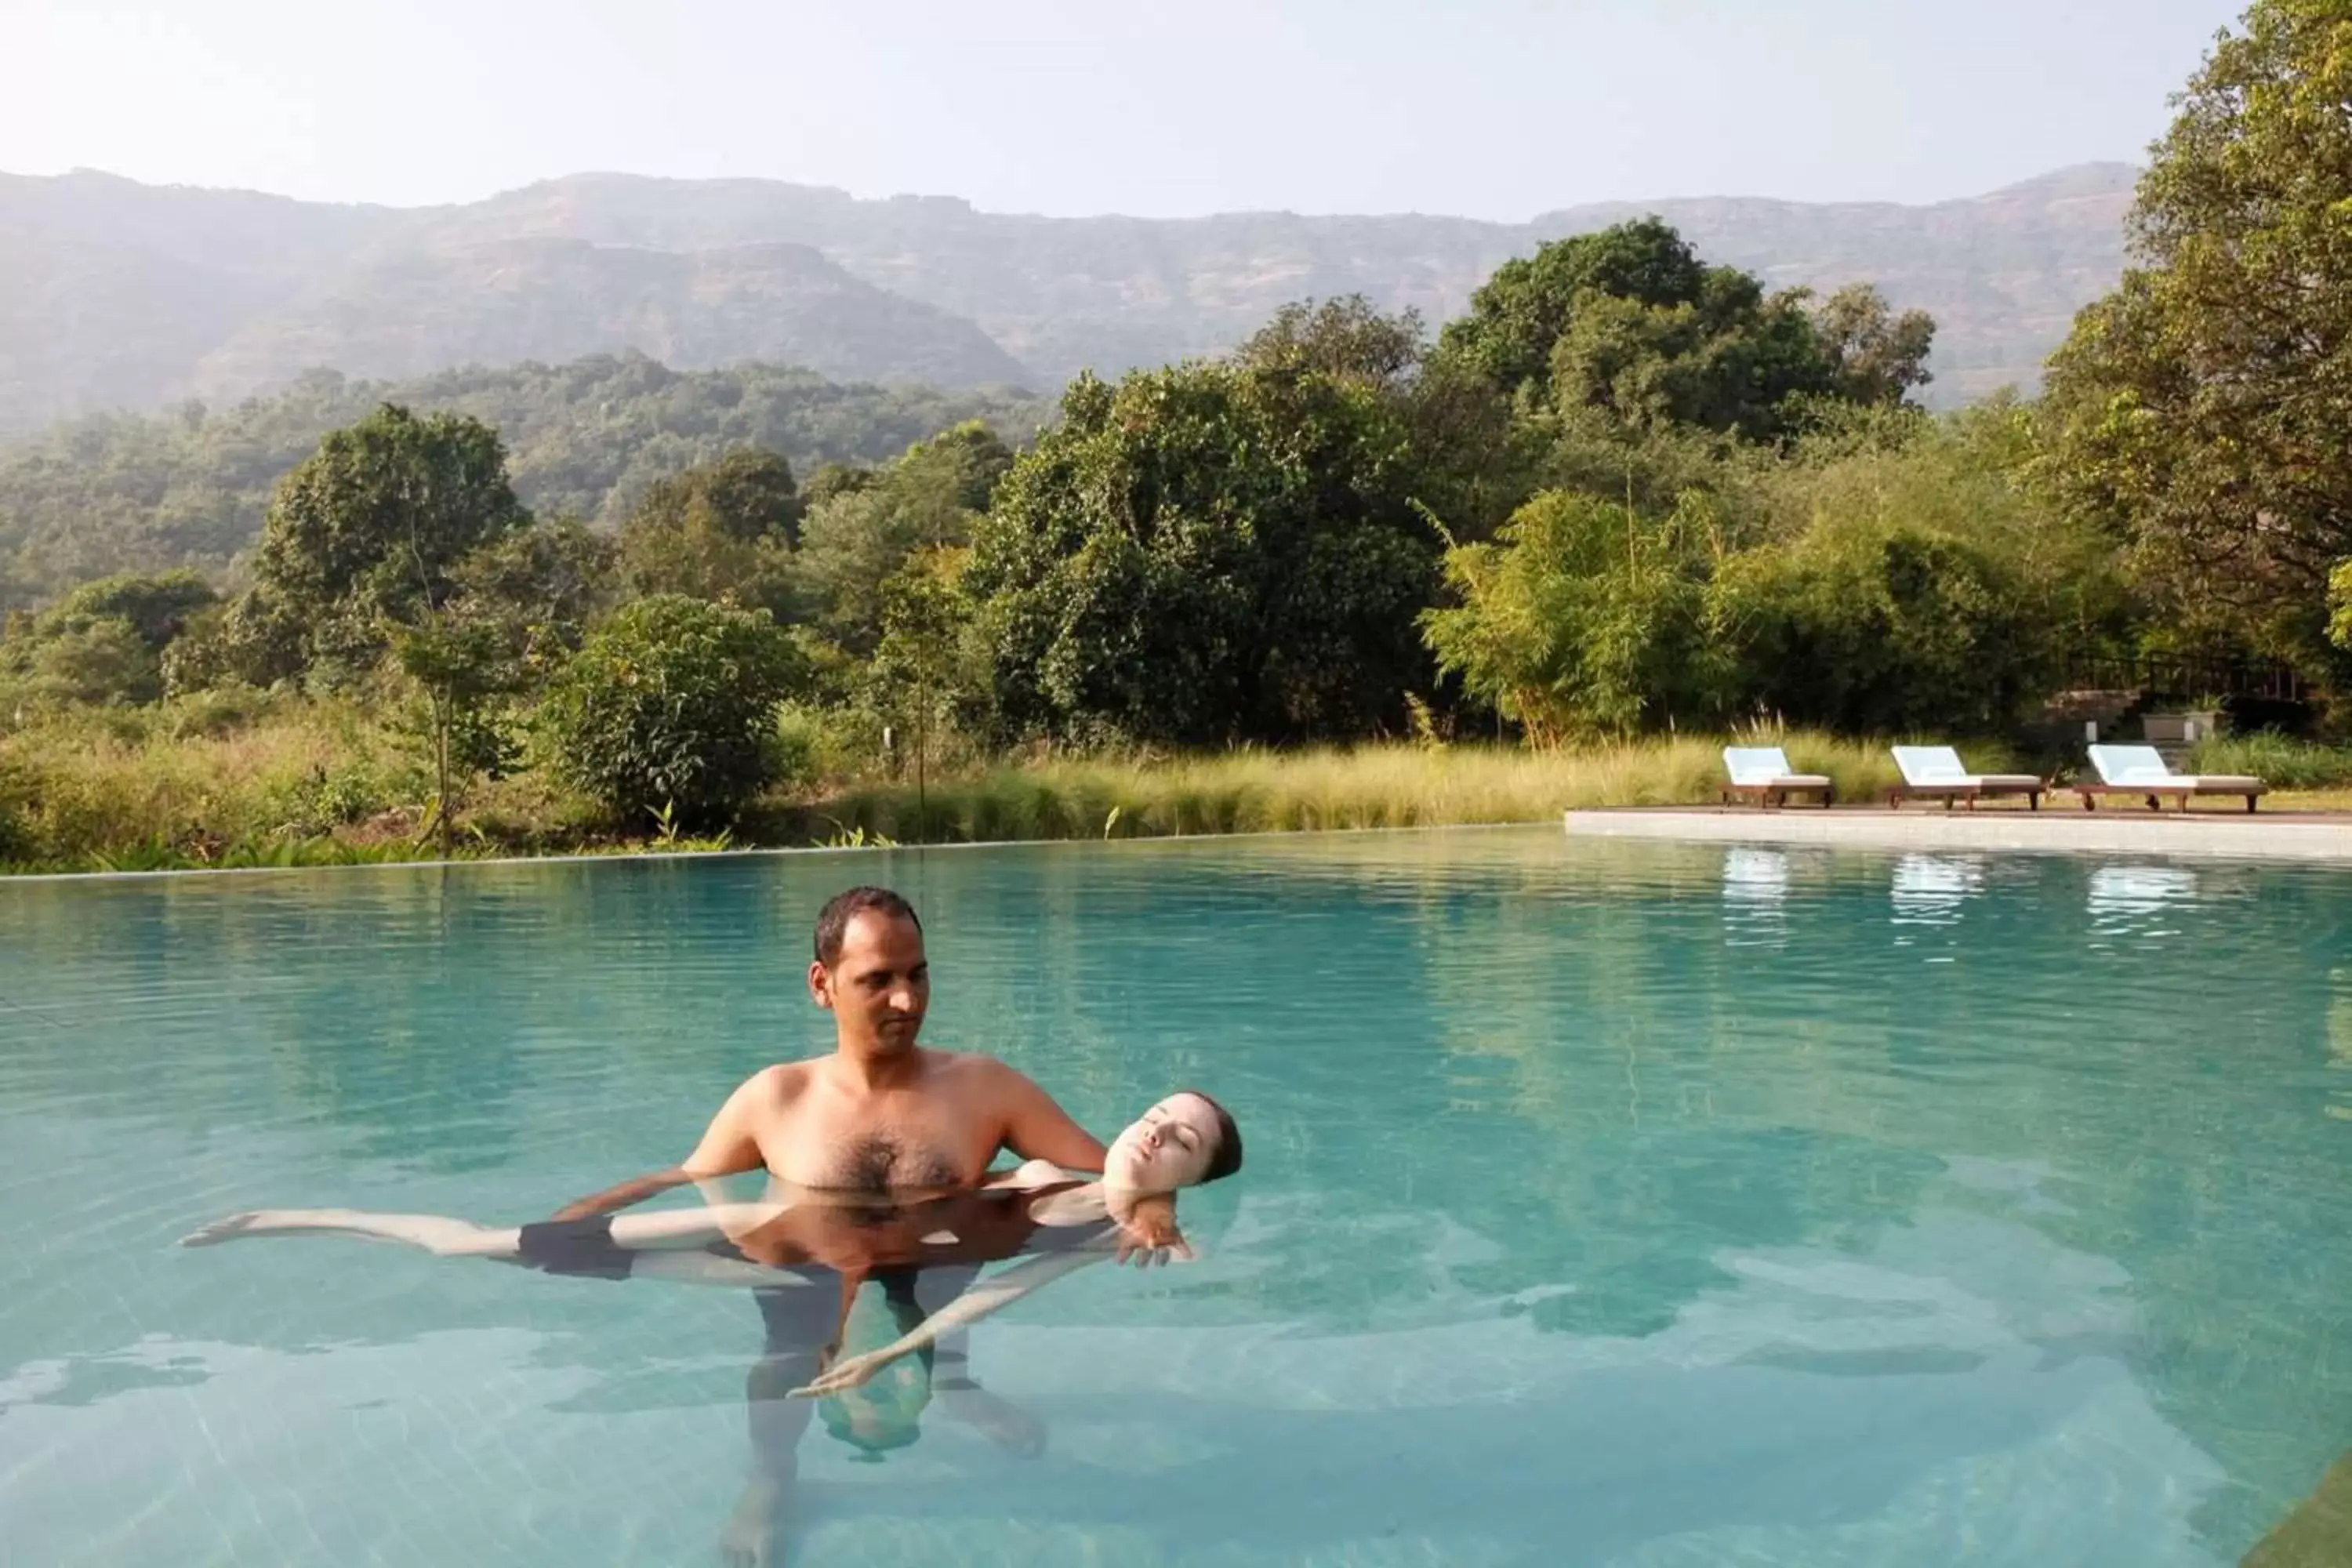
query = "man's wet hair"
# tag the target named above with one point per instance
(1228, 1157)
(832, 921)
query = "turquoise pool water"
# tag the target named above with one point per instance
(1605, 1204)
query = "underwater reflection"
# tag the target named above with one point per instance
(2139, 901)
(1930, 889)
(1755, 895)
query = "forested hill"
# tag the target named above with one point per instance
(187, 487)
(114, 294)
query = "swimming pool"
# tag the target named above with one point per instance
(1606, 1203)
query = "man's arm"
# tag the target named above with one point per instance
(729, 1146)
(1037, 1128)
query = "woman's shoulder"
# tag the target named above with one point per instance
(1031, 1174)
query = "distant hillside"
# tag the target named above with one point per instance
(113, 293)
(188, 487)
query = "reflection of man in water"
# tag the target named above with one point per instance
(881, 1118)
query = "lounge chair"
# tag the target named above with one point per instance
(2140, 770)
(1762, 773)
(1933, 772)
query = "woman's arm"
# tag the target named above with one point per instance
(987, 1297)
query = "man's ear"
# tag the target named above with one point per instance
(820, 985)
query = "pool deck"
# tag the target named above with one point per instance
(2204, 835)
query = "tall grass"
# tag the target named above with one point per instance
(283, 782)
(1367, 786)
(2282, 763)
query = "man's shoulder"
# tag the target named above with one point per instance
(779, 1080)
(973, 1067)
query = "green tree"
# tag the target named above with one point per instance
(1731, 359)
(1630, 324)
(669, 707)
(517, 608)
(2200, 409)
(724, 531)
(862, 535)
(104, 641)
(1876, 357)
(1345, 339)
(1517, 316)
(461, 666)
(157, 608)
(543, 585)
(365, 531)
(99, 661)
(922, 664)
(749, 494)
(1586, 617)
(1472, 461)
(1205, 554)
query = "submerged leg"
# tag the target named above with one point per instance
(799, 1321)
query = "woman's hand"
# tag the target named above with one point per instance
(844, 1375)
(1147, 1229)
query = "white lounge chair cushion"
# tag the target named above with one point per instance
(1939, 767)
(2142, 767)
(1765, 767)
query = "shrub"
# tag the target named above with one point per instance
(2282, 762)
(670, 706)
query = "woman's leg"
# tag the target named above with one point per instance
(434, 1233)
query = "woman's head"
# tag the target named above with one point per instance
(1183, 1141)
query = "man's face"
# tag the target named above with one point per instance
(880, 986)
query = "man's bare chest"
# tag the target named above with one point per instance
(886, 1148)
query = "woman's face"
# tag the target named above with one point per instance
(1169, 1146)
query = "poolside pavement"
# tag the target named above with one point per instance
(2235, 835)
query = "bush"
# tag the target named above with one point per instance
(1585, 618)
(670, 705)
(2282, 763)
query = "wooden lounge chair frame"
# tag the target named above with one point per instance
(1957, 783)
(2155, 794)
(1771, 796)
(2181, 786)
(1951, 794)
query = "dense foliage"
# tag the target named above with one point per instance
(668, 709)
(1631, 494)
(2201, 409)
(587, 439)
(1204, 555)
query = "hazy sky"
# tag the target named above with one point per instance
(1490, 107)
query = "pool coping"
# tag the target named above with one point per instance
(2209, 835)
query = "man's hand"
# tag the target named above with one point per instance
(727, 1148)
(1147, 1231)
(636, 1189)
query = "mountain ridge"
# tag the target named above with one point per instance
(119, 294)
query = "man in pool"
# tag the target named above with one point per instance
(881, 1117)
(881, 1113)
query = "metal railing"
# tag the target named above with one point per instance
(2187, 679)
